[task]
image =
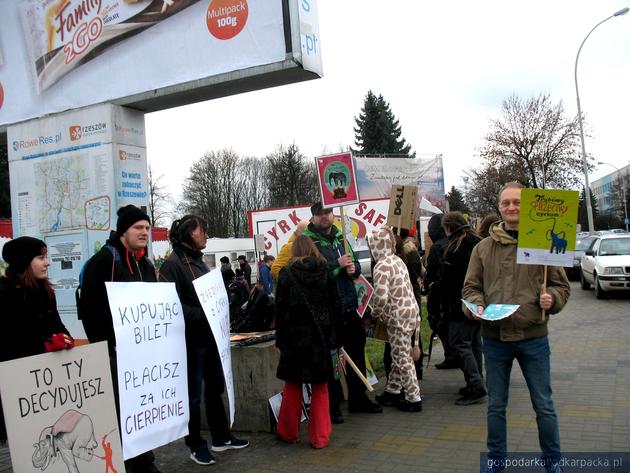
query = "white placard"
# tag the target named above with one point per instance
(59, 411)
(151, 354)
(214, 301)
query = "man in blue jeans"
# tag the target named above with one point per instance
(493, 277)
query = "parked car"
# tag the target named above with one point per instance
(365, 260)
(582, 244)
(606, 264)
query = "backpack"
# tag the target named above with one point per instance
(81, 305)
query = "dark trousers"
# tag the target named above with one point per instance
(465, 339)
(204, 368)
(354, 343)
(450, 354)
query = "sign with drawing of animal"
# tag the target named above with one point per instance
(547, 227)
(59, 412)
(364, 293)
(337, 180)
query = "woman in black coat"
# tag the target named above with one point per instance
(188, 236)
(28, 312)
(463, 333)
(306, 328)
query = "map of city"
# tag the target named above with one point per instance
(62, 188)
(97, 213)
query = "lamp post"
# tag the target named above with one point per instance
(623, 194)
(587, 190)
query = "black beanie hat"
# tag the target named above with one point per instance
(20, 252)
(128, 216)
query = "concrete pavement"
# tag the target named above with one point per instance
(590, 343)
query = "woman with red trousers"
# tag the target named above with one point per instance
(306, 335)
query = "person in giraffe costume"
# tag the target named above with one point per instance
(394, 303)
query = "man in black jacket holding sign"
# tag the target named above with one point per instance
(122, 259)
(343, 269)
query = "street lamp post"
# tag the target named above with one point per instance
(623, 194)
(587, 190)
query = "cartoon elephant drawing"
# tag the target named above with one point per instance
(71, 437)
(337, 178)
(558, 242)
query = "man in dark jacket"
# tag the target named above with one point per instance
(246, 268)
(122, 259)
(343, 269)
(437, 321)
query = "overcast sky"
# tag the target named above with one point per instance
(444, 68)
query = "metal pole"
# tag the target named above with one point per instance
(587, 190)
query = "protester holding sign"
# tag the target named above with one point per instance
(29, 308)
(494, 277)
(307, 325)
(188, 237)
(122, 259)
(394, 303)
(343, 268)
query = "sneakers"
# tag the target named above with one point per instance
(409, 406)
(232, 443)
(365, 405)
(472, 397)
(389, 399)
(201, 455)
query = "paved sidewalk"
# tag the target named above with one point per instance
(590, 343)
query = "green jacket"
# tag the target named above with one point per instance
(493, 277)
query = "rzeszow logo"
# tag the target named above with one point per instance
(76, 133)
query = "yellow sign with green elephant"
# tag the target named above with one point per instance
(547, 227)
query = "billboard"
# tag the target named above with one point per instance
(57, 55)
(376, 176)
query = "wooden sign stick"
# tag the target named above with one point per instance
(357, 371)
(346, 243)
(544, 288)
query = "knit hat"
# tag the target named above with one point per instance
(317, 208)
(20, 252)
(128, 216)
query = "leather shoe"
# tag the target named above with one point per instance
(336, 417)
(445, 365)
(366, 405)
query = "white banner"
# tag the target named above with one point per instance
(59, 411)
(214, 301)
(75, 53)
(151, 353)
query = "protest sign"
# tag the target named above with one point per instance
(547, 227)
(337, 180)
(60, 406)
(364, 293)
(151, 355)
(402, 207)
(215, 304)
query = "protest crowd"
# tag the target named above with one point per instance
(307, 295)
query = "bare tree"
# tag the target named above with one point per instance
(160, 201)
(291, 177)
(535, 135)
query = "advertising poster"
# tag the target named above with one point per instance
(375, 177)
(364, 293)
(65, 53)
(337, 180)
(59, 412)
(547, 227)
(214, 301)
(151, 354)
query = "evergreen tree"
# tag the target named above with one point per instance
(456, 200)
(582, 217)
(377, 130)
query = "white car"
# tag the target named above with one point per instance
(606, 265)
